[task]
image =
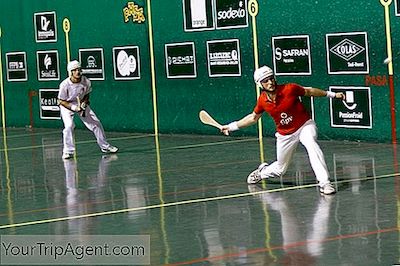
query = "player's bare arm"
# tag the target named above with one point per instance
(246, 121)
(321, 93)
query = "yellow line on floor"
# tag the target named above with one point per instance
(136, 137)
(232, 196)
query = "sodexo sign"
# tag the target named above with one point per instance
(231, 14)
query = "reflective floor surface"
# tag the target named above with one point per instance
(188, 193)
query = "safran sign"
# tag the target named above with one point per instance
(354, 111)
(292, 55)
(347, 53)
(223, 58)
(198, 15)
(180, 60)
(231, 14)
(126, 63)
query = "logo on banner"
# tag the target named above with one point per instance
(134, 11)
(231, 14)
(180, 60)
(48, 102)
(349, 102)
(45, 27)
(47, 63)
(223, 58)
(126, 62)
(347, 53)
(198, 15)
(347, 49)
(354, 111)
(16, 66)
(292, 55)
(92, 62)
(44, 24)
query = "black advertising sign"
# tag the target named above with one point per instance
(347, 53)
(354, 111)
(292, 55)
(47, 65)
(48, 102)
(231, 14)
(45, 27)
(16, 66)
(126, 62)
(198, 15)
(180, 60)
(223, 58)
(92, 62)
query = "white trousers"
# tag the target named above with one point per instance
(286, 145)
(90, 121)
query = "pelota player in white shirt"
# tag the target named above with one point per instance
(73, 97)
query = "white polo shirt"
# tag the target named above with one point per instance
(68, 91)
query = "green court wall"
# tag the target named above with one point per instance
(127, 105)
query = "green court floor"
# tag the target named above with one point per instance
(188, 193)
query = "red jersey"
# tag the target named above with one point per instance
(287, 111)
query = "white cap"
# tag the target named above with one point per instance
(262, 73)
(73, 65)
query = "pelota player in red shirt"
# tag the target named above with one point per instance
(293, 123)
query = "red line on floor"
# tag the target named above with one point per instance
(291, 245)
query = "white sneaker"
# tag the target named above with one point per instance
(67, 155)
(255, 176)
(110, 149)
(327, 189)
